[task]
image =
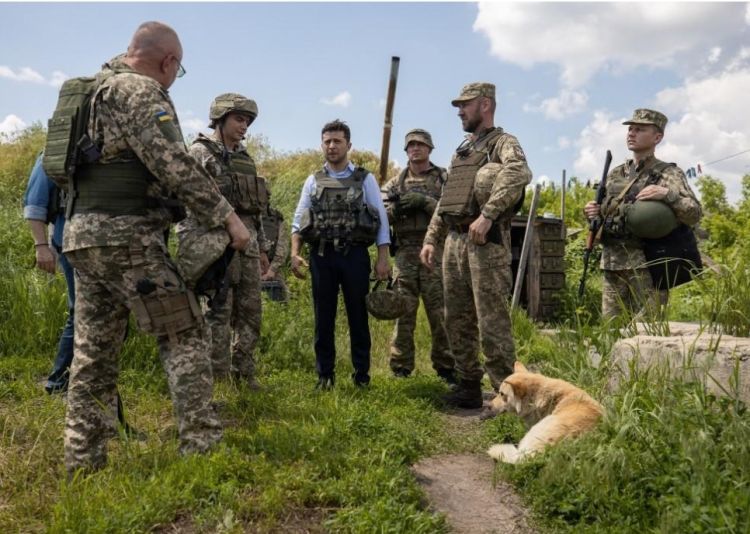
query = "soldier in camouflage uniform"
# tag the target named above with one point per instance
(627, 283)
(410, 200)
(115, 241)
(487, 177)
(277, 235)
(226, 159)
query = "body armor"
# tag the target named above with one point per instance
(411, 227)
(238, 181)
(338, 213)
(458, 202)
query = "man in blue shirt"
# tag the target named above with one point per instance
(42, 205)
(339, 214)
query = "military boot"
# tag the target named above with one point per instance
(448, 375)
(467, 395)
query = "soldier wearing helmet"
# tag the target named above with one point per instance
(236, 319)
(410, 199)
(645, 198)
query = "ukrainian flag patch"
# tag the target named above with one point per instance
(163, 116)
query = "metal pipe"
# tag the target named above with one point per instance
(385, 146)
(526, 247)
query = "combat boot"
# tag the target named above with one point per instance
(468, 395)
(448, 375)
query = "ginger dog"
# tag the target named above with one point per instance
(554, 409)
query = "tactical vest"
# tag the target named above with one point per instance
(614, 229)
(412, 226)
(338, 213)
(272, 220)
(238, 181)
(458, 203)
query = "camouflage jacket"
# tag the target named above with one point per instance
(497, 186)
(628, 254)
(133, 115)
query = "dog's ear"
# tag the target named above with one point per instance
(519, 388)
(518, 367)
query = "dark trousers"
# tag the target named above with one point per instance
(351, 272)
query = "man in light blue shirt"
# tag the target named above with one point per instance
(339, 214)
(42, 205)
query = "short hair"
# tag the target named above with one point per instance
(337, 126)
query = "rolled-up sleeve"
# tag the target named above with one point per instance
(374, 199)
(37, 195)
(308, 189)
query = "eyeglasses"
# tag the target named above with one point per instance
(180, 69)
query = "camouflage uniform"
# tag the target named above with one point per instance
(122, 265)
(477, 279)
(627, 283)
(412, 278)
(279, 242)
(241, 312)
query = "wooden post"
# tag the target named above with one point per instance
(385, 145)
(525, 248)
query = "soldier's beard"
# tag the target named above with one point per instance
(471, 125)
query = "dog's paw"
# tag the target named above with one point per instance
(504, 452)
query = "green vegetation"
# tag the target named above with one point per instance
(667, 458)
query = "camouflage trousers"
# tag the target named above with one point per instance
(235, 324)
(476, 287)
(110, 283)
(414, 279)
(631, 291)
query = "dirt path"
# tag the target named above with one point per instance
(460, 486)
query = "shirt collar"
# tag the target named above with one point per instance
(339, 174)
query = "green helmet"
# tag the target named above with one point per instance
(229, 102)
(386, 303)
(198, 249)
(650, 219)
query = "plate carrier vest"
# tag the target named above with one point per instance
(413, 226)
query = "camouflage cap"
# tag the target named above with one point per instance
(648, 116)
(470, 91)
(229, 102)
(419, 135)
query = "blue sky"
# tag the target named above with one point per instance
(567, 74)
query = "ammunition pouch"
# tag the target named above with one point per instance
(113, 188)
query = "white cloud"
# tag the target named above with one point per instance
(708, 121)
(342, 99)
(587, 37)
(27, 74)
(193, 125)
(714, 54)
(563, 105)
(747, 14)
(11, 125)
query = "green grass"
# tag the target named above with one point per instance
(668, 457)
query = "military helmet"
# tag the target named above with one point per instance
(650, 219)
(386, 304)
(198, 249)
(229, 102)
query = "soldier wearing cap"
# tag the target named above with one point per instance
(225, 158)
(486, 180)
(627, 283)
(410, 199)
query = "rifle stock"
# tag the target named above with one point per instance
(594, 225)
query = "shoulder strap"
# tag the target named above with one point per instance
(402, 179)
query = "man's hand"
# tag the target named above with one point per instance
(412, 201)
(591, 210)
(45, 259)
(478, 230)
(427, 257)
(237, 231)
(264, 263)
(270, 274)
(382, 265)
(653, 192)
(298, 263)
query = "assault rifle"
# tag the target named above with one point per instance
(594, 225)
